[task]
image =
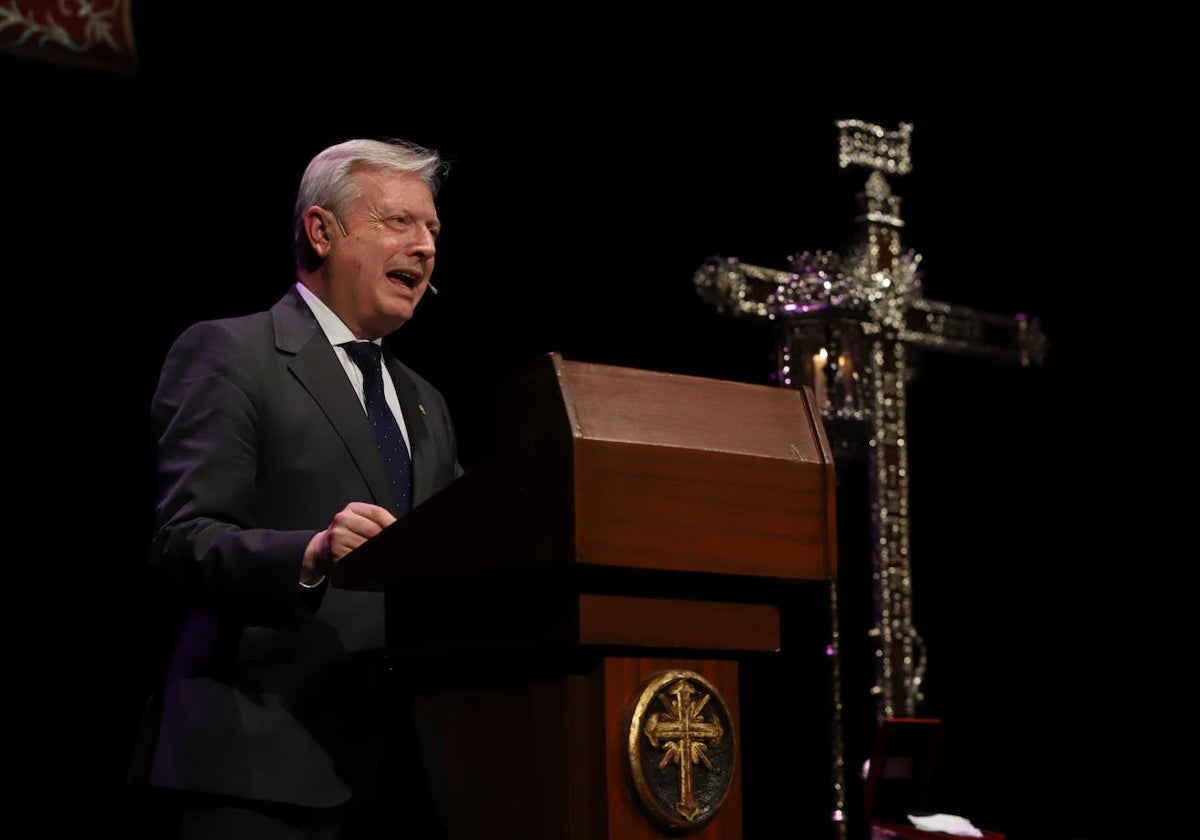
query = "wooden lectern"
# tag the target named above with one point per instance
(571, 614)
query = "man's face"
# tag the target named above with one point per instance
(380, 266)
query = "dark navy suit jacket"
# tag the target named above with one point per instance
(270, 693)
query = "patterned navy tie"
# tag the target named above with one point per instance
(396, 461)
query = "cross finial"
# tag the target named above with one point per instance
(870, 145)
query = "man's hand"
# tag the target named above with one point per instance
(352, 526)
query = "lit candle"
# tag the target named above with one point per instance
(818, 380)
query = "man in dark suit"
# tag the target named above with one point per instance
(278, 715)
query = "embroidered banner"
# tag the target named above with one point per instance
(94, 34)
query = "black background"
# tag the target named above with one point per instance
(594, 165)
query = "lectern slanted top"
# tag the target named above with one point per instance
(619, 467)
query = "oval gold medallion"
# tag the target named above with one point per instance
(681, 749)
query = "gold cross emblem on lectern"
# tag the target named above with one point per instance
(683, 731)
(691, 730)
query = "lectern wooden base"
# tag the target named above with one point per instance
(542, 755)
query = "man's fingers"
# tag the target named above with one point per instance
(381, 517)
(355, 524)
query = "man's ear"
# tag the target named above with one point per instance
(317, 226)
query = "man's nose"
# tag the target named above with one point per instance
(424, 245)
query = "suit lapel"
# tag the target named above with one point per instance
(317, 368)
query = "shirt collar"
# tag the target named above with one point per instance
(336, 331)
